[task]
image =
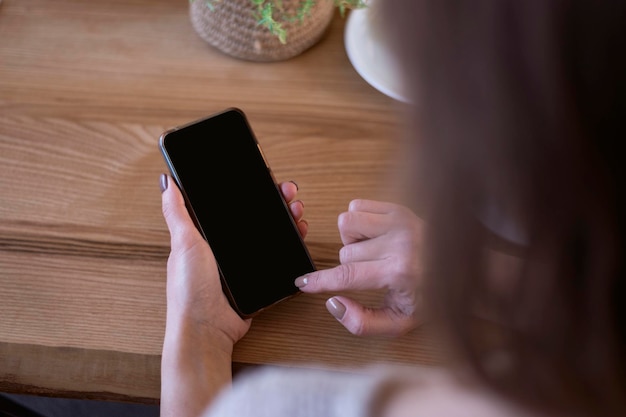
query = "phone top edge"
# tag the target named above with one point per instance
(163, 136)
(210, 116)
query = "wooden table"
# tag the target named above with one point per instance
(86, 89)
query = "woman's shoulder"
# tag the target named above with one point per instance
(425, 392)
(297, 392)
(382, 390)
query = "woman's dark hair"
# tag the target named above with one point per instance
(521, 108)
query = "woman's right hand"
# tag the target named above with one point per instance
(382, 250)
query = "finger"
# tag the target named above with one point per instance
(297, 210)
(303, 228)
(355, 226)
(345, 277)
(289, 189)
(372, 206)
(364, 321)
(363, 251)
(176, 216)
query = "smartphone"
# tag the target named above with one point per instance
(237, 206)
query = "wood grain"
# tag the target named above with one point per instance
(86, 89)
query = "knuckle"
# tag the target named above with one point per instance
(346, 254)
(355, 204)
(407, 239)
(345, 275)
(397, 268)
(405, 263)
(343, 220)
(400, 267)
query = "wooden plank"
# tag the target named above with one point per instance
(86, 88)
(98, 375)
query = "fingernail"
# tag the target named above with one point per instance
(163, 182)
(335, 308)
(296, 184)
(301, 281)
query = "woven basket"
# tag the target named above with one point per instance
(231, 26)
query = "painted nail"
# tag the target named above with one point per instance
(335, 308)
(163, 182)
(301, 281)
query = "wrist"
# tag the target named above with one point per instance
(195, 365)
(185, 333)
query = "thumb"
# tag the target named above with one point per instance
(177, 218)
(365, 321)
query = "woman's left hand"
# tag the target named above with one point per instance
(201, 327)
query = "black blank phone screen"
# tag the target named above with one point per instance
(239, 209)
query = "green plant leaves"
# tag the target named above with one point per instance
(271, 14)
